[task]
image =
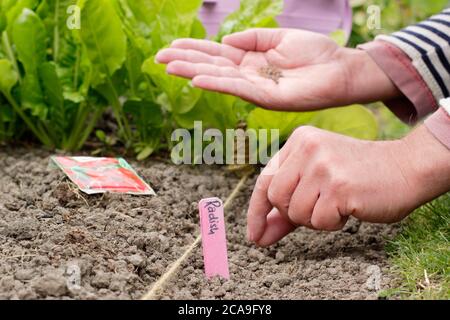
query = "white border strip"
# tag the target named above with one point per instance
(445, 103)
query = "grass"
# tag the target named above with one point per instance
(421, 253)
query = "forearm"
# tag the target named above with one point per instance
(417, 61)
(428, 164)
(367, 82)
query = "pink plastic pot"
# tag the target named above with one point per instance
(324, 16)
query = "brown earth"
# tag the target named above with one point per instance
(57, 243)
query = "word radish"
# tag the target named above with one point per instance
(212, 218)
(214, 240)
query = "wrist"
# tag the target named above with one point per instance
(428, 163)
(367, 82)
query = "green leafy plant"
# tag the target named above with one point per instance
(44, 75)
(394, 15)
(57, 82)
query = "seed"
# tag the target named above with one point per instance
(271, 72)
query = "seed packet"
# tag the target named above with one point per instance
(100, 175)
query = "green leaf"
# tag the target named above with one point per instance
(135, 75)
(51, 84)
(428, 7)
(53, 95)
(2, 24)
(252, 14)
(139, 19)
(198, 30)
(340, 37)
(144, 11)
(146, 113)
(181, 97)
(6, 113)
(103, 37)
(169, 84)
(105, 44)
(54, 15)
(29, 37)
(145, 153)
(286, 122)
(149, 122)
(187, 99)
(214, 110)
(175, 19)
(101, 135)
(8, 78)
(14, 8)
(355, 121)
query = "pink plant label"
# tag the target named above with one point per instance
(214, 240)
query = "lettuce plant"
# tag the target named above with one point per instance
(56, 82)
(43, 77)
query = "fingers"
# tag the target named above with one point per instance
(191, 70)
(255, 39)
(210, 47)
(235, 86)
(168, 55)
(326, 216)
(302, 203)
(260, 205)
(259, 208)
(283, 186)
(277, 228)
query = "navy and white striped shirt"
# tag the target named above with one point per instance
(428, 46)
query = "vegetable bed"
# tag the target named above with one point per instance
(123, 244)
(79, 76)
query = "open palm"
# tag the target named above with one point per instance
(312, 72)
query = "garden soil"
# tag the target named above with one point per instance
(57, 243)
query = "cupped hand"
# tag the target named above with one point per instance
(315, 72)
(319, 179)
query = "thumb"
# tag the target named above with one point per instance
(255, 39)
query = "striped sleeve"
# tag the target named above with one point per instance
(428, 45)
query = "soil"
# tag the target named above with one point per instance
(56, 243)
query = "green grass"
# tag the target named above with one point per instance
(421, 253)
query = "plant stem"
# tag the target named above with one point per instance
(89, 128)
(56, 33)
(76, 69)
(81, 132)
(120, 116)
(40, 134)
(80, 118)
(2, 128)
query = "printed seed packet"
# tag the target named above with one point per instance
(100, 175)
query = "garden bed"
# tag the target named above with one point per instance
(123, 244)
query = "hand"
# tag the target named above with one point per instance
(316, 72)
(319, 179)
